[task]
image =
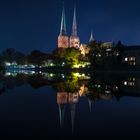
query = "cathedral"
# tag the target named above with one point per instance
(63, 39)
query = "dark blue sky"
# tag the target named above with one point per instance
(34, 24)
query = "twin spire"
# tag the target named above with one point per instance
(73, 41)
(63, 30)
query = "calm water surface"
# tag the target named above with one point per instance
(48, 105)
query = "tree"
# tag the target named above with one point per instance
(36, 57)
(72, 56)
(60, 53)
(9, 55)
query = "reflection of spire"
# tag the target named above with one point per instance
(90, 104)
(61, 114)
(73, 99)
(91, 38)
(63, 23)
(73, 110)
(61, 101)
(90, 100)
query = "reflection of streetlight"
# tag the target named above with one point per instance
(125, 83)
(51, 75)
(62, 75)
(7, 64)
(51, 64)
(63, 63)
(83, 74)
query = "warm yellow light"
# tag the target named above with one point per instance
(76, 66)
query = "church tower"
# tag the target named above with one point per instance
(63, 40)
(91, 38)
(74, 39)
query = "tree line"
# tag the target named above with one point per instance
(99, 57)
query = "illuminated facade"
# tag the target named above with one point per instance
(63, 39)
(74, 39)
(131, 55)
(84, 49)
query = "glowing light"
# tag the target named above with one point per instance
(131, 83)
(134, 63)
(32, 66)
(76, 74)
(62, 75)
(51, 64)
(98, 86)
(7, 74)
(99, 55)
(83, 74)
(51, 75)
(107, 91)
(126, 59)
(76, 66)
(125, 83)
(7, 64)
(116, 88)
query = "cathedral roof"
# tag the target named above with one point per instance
(63, 30)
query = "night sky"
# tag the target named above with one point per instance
(35, 24)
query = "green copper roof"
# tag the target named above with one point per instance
(74, 26)
(63, 30)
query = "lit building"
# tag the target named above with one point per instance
(74, 39)
(108, 45)
(63, 40)
(84, 49)
(131, 55)
(83, 90)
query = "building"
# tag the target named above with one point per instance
(131, 55)
(63, 39)
(84, 47)
(74, 39)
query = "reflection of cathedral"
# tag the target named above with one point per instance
(62, 99)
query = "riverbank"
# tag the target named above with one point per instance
(80, 70)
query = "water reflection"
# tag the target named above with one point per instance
(71, 87)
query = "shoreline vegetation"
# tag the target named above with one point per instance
(81, 70)
(98, 59)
